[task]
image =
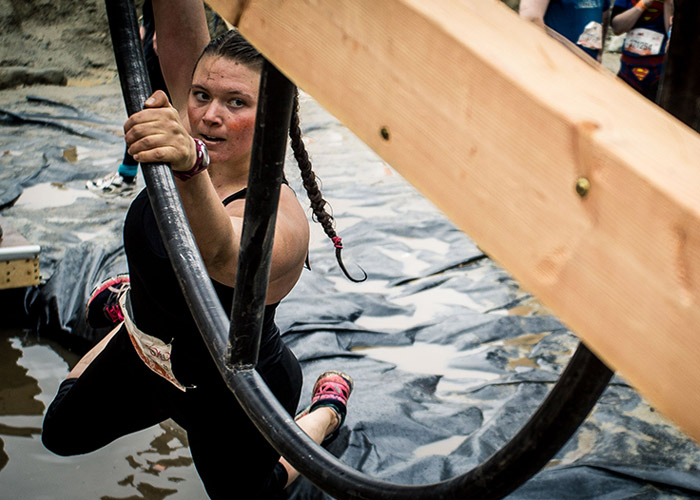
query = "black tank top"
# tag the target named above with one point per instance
(160, 309)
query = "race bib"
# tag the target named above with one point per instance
(153, 352)
(592, 36)
(644, 42)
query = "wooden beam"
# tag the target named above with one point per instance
(19, 261)
(496, 124)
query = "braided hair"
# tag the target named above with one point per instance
(233, 46)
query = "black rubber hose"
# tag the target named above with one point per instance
(266, 173)
(165, 199)
(550, 427)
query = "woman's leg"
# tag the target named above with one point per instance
(109, 393)
(318, 425)
(322, 420)
(232, 458)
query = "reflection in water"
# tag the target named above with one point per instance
(153, 464)
(420, 308)
(443, 447)
(165, 453)
(51, 195)
(3, 456)
(462, 370)
(17, 392)
(433, 359)
(146, 491)
(172, 441)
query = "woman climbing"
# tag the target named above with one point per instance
(155, 365)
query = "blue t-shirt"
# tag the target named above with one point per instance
(570, 17)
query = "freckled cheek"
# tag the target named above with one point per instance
(243, 129)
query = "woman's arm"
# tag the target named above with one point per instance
(534, 10)
(218, 229)
(625, 21)
(181, 28)
(290, 246)
(157, 134)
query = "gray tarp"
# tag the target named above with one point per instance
(448, 354)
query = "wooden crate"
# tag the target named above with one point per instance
(19, 260)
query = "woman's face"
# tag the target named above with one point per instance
(221, 107)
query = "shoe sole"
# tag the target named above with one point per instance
(116, 280)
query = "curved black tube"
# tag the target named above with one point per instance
(266, 173)
(554, 422)
(548, 429)
(165, 199)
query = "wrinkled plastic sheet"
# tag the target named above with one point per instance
(51, 145)
(449, 355)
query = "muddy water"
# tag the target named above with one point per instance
(151, 465)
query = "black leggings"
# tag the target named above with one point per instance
(117, 395)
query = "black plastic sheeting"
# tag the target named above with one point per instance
(448, 354)
(50, 146)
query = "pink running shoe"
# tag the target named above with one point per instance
(332, 389)
(103, 309)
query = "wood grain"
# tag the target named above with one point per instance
(496, 123)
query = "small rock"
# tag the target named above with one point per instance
(71, 154)
(14, 76)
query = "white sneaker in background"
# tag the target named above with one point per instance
(112, 185)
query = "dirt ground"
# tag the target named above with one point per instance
(56, 42)
(70, 37)
(62, 42)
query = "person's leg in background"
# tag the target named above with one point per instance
(123, 181)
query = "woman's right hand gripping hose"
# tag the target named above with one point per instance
(157, 134)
